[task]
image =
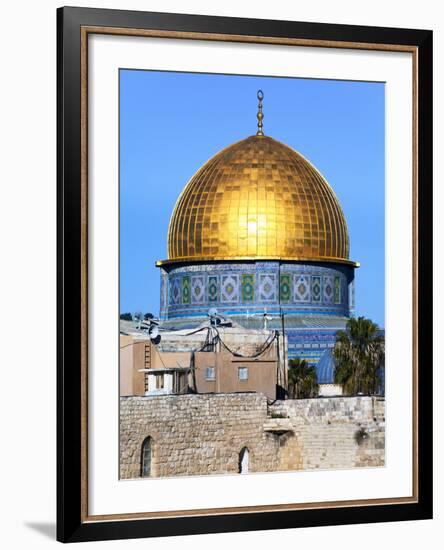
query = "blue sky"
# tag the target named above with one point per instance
(171, 123)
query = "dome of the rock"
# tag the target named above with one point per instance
(259, 236)
(258, 199)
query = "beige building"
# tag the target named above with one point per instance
(133, 356)
(222, 372)
(237, 361)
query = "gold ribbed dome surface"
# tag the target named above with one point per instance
(257, 199)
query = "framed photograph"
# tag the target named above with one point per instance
(244, 274)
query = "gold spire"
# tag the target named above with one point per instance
(260, 115)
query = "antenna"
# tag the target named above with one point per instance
(265, 316)
(138, 317)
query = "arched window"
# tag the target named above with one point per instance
(145, 463)
(244, 456)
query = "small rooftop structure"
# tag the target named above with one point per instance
(325, 370)
(209, 359)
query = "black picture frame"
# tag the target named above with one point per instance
(71, 523)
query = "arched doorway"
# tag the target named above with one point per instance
(145, 461)
(244, 458)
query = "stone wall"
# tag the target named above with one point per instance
(333, 432)
(204, 434)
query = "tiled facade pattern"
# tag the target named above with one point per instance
(257, 284)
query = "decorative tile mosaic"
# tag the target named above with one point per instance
(351, 299)
(175, 291)
(229, 289)
(163, 291)
(247, 287)
(213, 288)
(301, 289)
(197, 290)
(185, 290)
(328, 290)
(316, 289)
(285, 288)
(337, 290)
(267, 287)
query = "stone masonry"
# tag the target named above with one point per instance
(204, 434)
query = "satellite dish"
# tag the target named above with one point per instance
(223, 321)
(153, 332)
(215, 319)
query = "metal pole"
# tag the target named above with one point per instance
(279, 362)
(284, 355)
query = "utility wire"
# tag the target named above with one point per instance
(265, 346)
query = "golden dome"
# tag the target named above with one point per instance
(258, 199)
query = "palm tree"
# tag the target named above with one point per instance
(359, 355)
(302, 379)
